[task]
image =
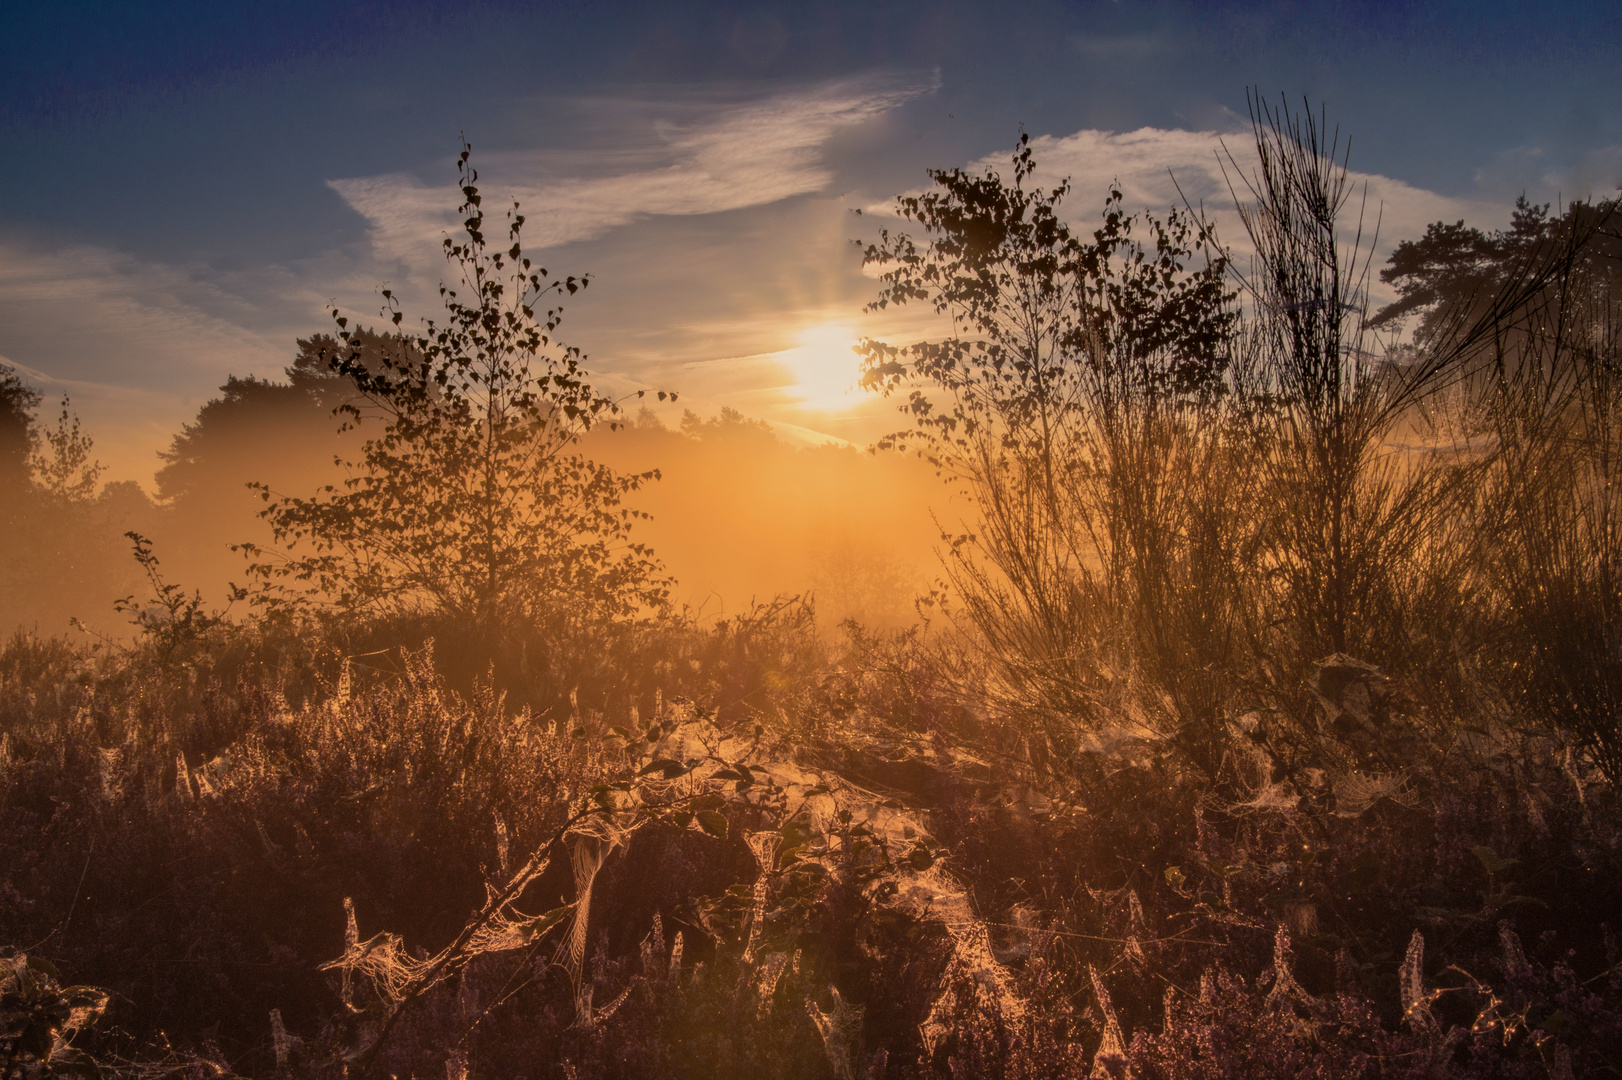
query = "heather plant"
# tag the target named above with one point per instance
(378, 788)
(877, 892)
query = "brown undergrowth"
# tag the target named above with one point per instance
(794, 858)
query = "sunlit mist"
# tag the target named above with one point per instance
(825, 368)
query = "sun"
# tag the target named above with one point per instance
(825, 367)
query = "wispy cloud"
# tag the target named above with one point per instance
(742, 155)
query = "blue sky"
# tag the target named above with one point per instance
(188, 185)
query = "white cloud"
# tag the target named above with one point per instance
(744, 155)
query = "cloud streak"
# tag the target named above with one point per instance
(747, 155)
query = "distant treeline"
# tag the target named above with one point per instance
(739, 515)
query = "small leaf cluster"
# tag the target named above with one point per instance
(170, 619)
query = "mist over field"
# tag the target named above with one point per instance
(740, 515)
(837, 542)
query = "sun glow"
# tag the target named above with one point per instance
(825, 367)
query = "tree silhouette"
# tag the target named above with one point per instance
(1075, 403)
(470, 502)
(252, 418)
(17, 435)
(63, 469)
(1458, 269)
